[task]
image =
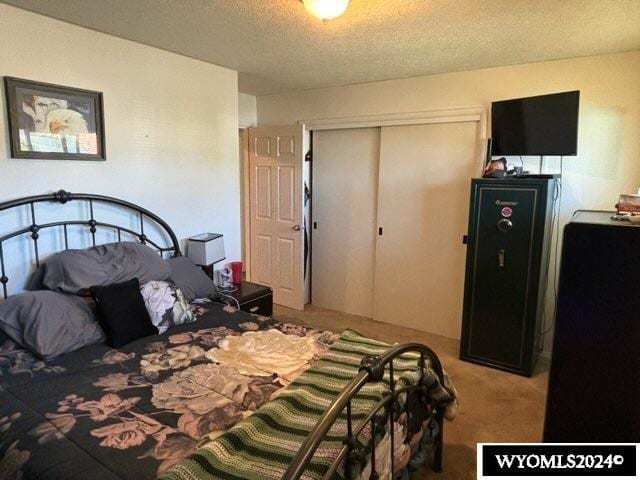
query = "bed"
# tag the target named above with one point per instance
(229, 395)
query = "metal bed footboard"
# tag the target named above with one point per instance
(372, 369)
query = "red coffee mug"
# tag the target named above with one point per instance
(236, 272)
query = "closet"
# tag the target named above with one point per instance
(345, 187)
(390, 207)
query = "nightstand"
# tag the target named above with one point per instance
(253, 298)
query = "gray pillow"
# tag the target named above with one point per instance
(75, 271)
(190, 278)
(49, 323)
(35, 281)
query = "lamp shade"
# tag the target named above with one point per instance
(206, 249)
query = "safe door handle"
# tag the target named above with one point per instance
(501, 258)
(504, 225)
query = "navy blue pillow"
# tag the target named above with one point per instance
(122, 313)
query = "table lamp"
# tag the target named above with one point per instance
(205, 250)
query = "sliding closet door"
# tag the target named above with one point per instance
(423, 203)
(345, 183)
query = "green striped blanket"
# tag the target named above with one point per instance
(262, 446)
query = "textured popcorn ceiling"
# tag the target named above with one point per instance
(277, 47)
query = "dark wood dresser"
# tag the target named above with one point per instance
(594, 382)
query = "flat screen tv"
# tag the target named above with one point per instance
(542, 125)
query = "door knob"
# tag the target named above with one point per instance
(296, 228)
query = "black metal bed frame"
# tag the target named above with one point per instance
(372, 369)
(62, 197)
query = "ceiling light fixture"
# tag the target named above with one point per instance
(326, 9)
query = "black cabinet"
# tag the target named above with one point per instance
(508, 244)
(594, 381)
(253, 298)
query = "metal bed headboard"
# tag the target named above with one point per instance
(62, 197)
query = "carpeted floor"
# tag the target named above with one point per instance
(494, 406)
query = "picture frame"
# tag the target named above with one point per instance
(54, 122)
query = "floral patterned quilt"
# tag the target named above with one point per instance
(264, 445)
(133, 413)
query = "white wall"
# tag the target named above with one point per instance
(247, 110)
(171, 125)
(608, 162)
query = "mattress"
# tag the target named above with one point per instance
(202, 400)
(134, 412)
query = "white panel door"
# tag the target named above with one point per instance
(345, 185)
(423, 204)
(275, 163)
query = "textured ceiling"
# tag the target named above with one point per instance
(277, 47)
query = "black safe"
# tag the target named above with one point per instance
(594, 390)
(508, 246)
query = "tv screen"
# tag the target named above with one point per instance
(542, 125)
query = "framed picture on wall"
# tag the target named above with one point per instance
(54, 122)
